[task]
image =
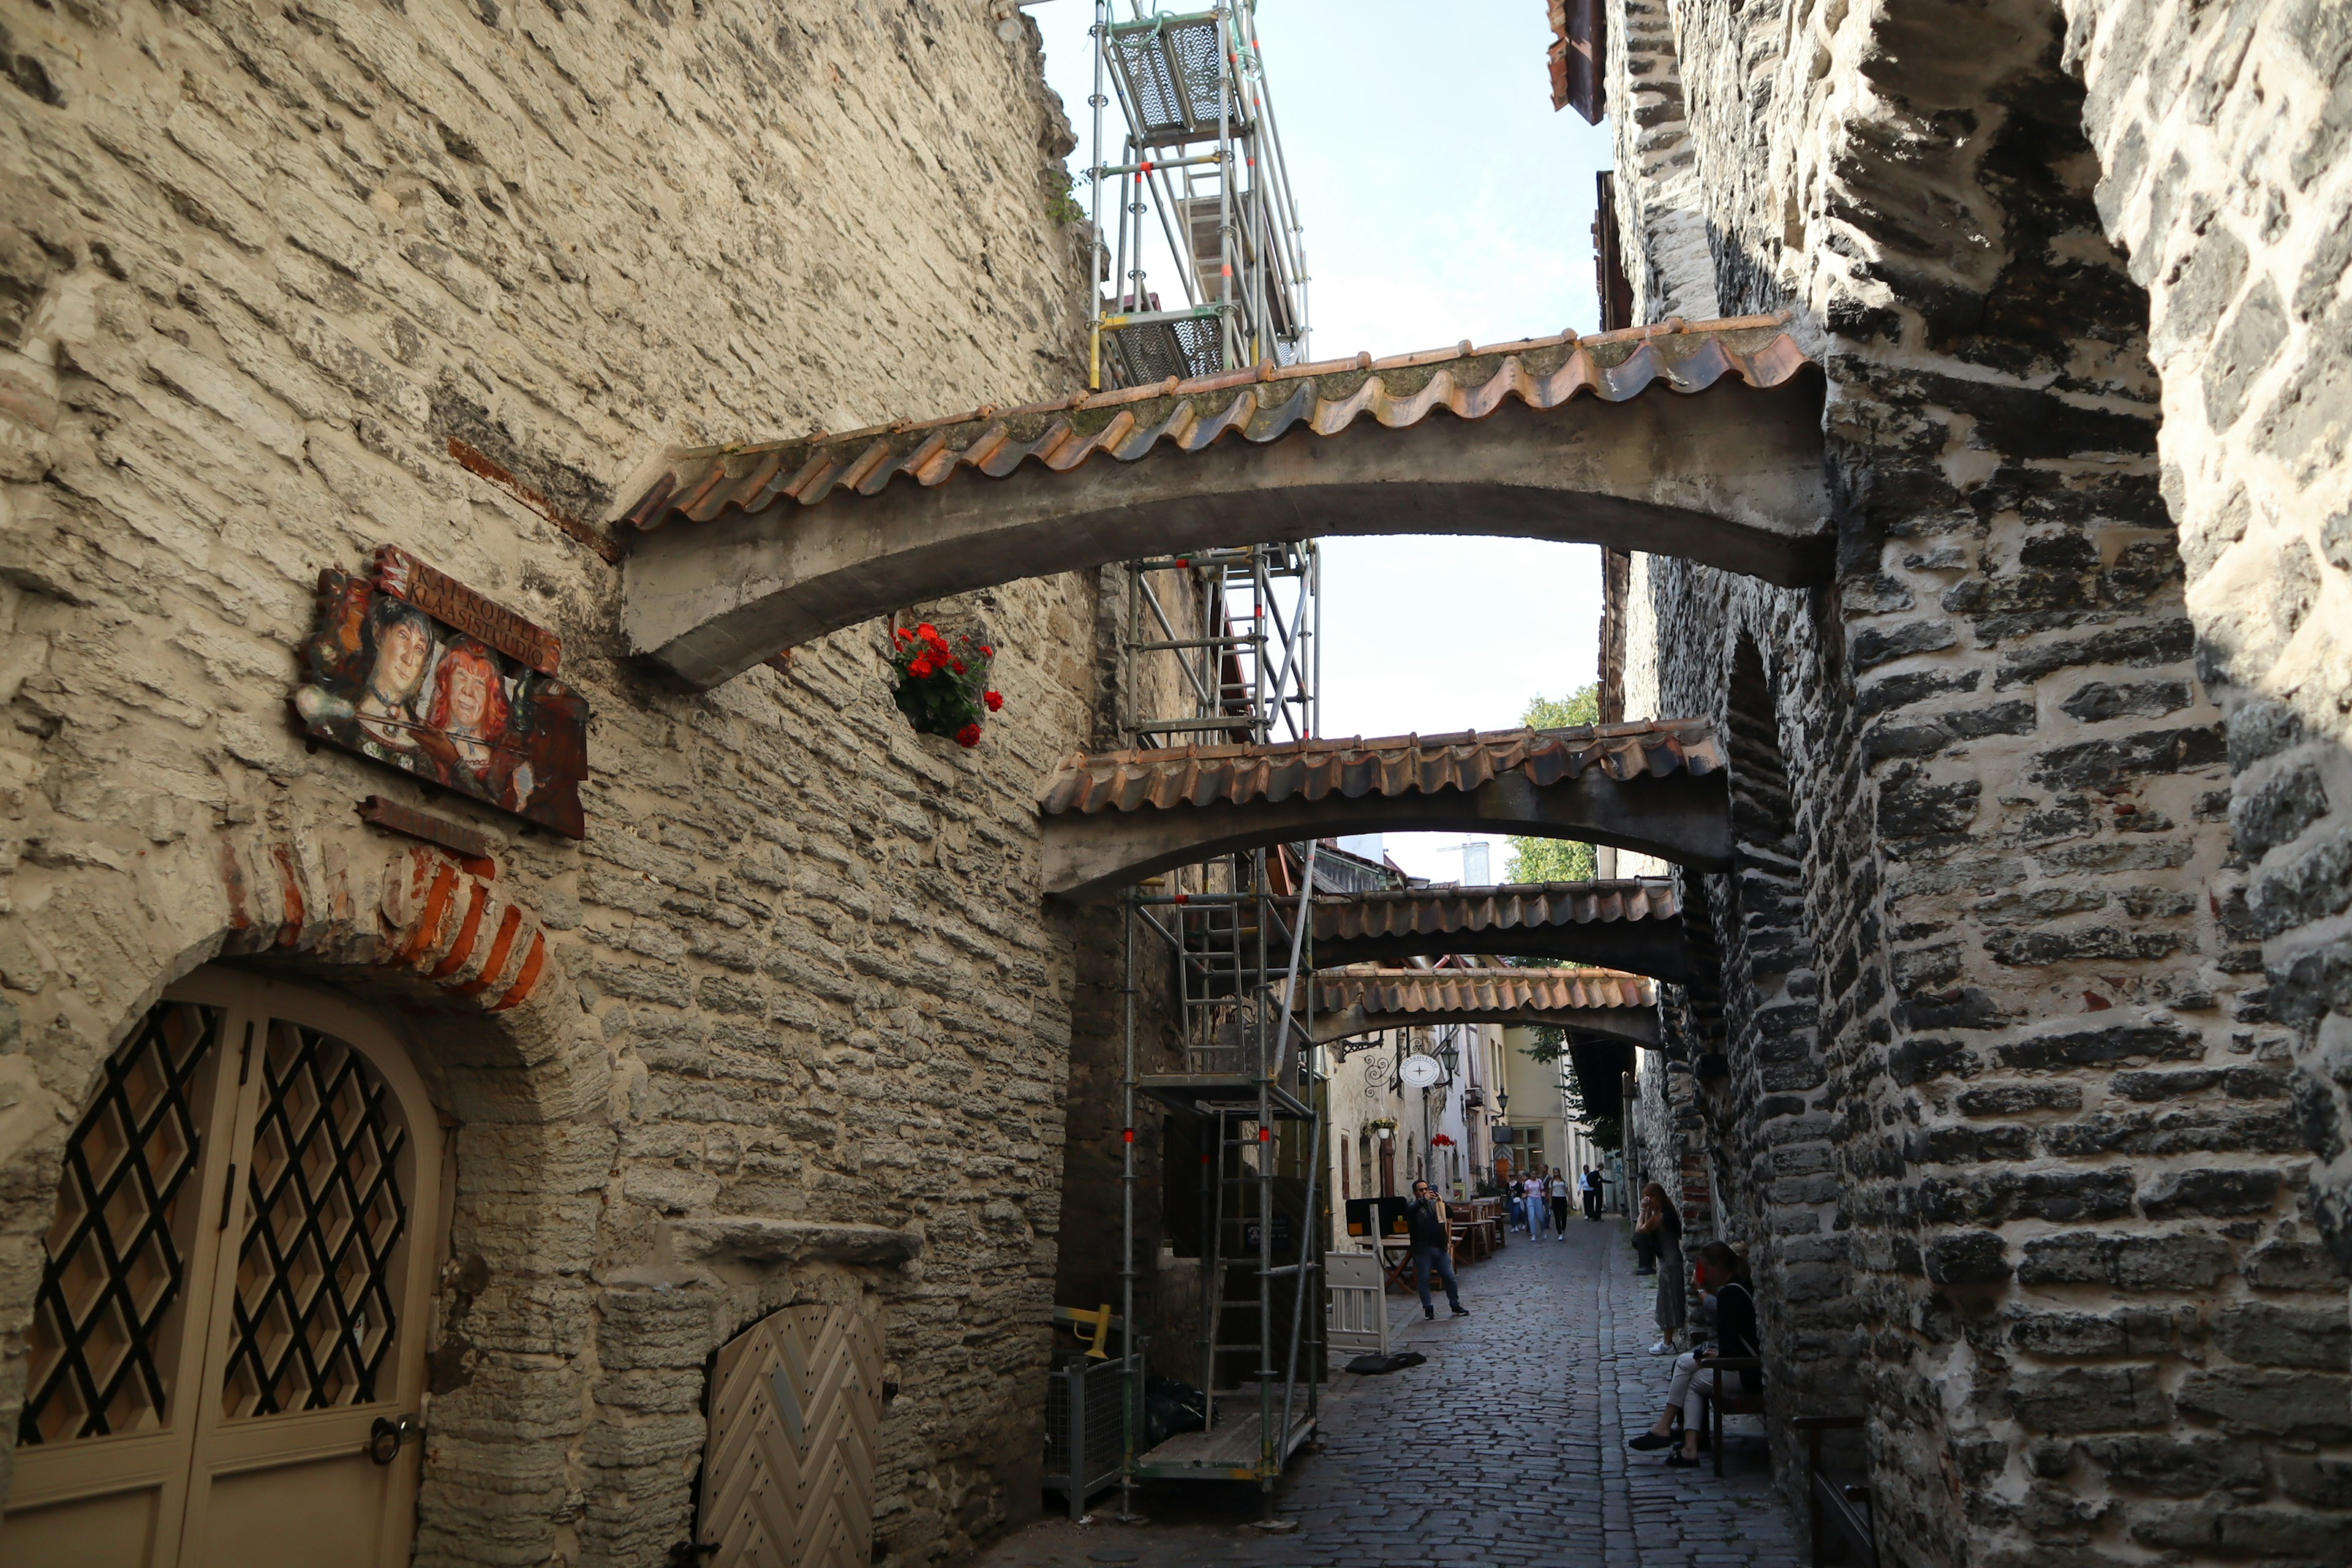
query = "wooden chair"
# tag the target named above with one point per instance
(1398, 1273)
(1720, 1400)
(1844, 1508)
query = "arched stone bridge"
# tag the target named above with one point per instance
(1702, 441)
(1354, 1002)
(1115, 817)
(1633, 924)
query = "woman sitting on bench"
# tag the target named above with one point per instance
(1722, 1271)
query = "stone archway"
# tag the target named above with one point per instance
(496, 1030)
(1113, 817)
(1702, 440)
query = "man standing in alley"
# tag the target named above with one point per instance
(1425, 1227)
(1592, 1191)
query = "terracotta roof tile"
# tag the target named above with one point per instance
(1261, 404)
(1436, 992)
(1391, 765)
(1435, 912)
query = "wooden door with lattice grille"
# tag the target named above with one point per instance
(233, 1303)
(795, 1419)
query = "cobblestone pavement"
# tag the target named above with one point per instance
(1506, 1448)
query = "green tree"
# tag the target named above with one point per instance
(1556, 859)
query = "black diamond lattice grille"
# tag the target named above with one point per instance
(104, 1324)
(313, 1319)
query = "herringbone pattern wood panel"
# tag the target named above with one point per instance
(795, 1415)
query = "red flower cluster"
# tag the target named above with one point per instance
(1443, 1140)
(942, 683)
(930, 648)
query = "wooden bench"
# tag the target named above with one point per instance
(1719, 1400)
(1843, 1508)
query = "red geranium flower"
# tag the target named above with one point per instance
(995, 699)
(921, 666)
(959, 666)
(987, 651)
(967, 736)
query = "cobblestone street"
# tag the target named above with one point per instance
(1507, 1447)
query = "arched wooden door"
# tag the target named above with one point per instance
(231, 1322)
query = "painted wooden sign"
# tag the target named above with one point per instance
(453, 603)
(390, 681)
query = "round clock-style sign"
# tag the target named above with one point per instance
(1420, 1072)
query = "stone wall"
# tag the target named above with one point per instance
(2072, 342)
(2224, 141)
(257, 270)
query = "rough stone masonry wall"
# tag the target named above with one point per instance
(258, 267)
(2224, 139)
(2080, 1210)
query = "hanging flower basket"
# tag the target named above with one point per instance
(943, 685)
(1443, 1140)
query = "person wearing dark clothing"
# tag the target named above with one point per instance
(1665, 1227)
(1425, 1228)
(1592, 1193)
(1721, 1271)
(1645, 1229)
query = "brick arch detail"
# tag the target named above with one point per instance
(444, 921)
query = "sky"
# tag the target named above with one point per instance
(1443, 198)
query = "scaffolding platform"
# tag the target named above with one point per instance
(1230, 1453)
(1229, 1094)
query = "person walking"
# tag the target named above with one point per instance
(1592, 1191)
(1432, 1247)
(1559, 1205)
(1672, 1306)
(1539, 1210)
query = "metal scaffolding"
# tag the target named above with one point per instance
(1220, 649)
(1197, 164)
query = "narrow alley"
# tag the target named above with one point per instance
(1506, 1447)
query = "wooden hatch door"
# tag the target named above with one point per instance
(795, 1421)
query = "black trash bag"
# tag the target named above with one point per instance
(1169, 1407)
(1381, 1366)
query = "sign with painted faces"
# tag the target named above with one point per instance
(393, 683)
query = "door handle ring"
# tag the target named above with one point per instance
(388, 1433)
